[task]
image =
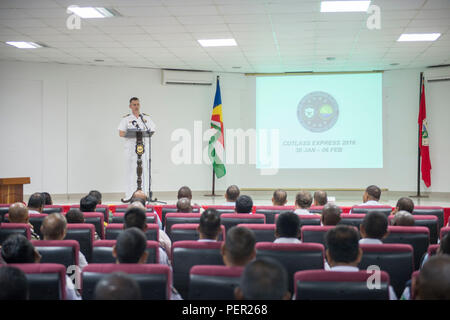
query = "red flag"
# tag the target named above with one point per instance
(424, 147)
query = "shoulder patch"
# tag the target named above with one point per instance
(125, 115)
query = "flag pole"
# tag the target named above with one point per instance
(418, 195)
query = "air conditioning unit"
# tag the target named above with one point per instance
(437, 74)
(204, 78)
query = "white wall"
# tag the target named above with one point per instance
(58, 125)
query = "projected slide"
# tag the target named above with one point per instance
(322, 121)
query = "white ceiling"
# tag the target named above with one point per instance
(272, 35)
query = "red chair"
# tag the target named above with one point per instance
(118, 217)
(315, 233)
(271, 211)
(431, 210)
(64, 252)
(220, 208)
(429, 221)
(175, 218)
(97, 219)
(443, 232)
(114, 229)
(103, 208)
(102, 251)
(354, 219)
(84, 234)
(230, 220)
(52, 208)
(7, 229)
(172, 208)
(364, 209)
(263, 232)
(188, 231)
(306, 219)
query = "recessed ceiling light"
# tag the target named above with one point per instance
(92, 12)
(419, 37)
(217, 42)
(236, 67)
(99, 60)
(23, 44)
(344, 6)
(331, 58)
(395, 64)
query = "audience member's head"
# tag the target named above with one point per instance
(320, 198)
(232, 193)
(433, 282)
(331, 215)
(18, 249)
(403, 218)
(54, 227)
(13, 284)
(18, 213)
(303, 200)
(47, 198)
(130, 246)
(137, 203)
(139, 195)
(263, 279)
(185, 192)
(287, 225)
(239, 247)
(184, 205)
(372, 193)
(36, 202)
(97, 195)
(75, 216)
(209, 227)
(444, 247)
(405, 204)
(244, 204)
(117, 286)
(374, 225)
(88, 204)
(135, 217)
(343, 246)
(279, 197)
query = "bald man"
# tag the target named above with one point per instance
(54, 227)
(18, 213)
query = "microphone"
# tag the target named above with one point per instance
(142, 118)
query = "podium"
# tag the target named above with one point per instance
(11, 189)
(140, 150)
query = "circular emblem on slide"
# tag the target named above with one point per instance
(317, 111)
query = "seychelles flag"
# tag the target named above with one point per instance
(424, 141)
(216, 148)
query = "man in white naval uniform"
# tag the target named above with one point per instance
(132, 121)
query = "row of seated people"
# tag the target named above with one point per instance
(135, 217)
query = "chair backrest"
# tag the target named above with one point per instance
(114, 229)
(36, 221)
(396, 259)
(213, 282)
(175, 218)
(102, 251)
(154, 279)
(4, 209)
(315, 233)
(431, 210)
(363, 209)
(103, 208)
(52, 208)
(336, 285)
(188, 231)
(221, 208)
(230, 220)
(118, 217)
(46, 281)
(64, 252)
(7, 229)
(354, 219)
(417, 237)
(263, 232)
(432, 249)
(306, 219)
(172, 208)
(97, 219)
(443, 232)
(429, 221)
(271, 211)
(186, 254)
(293, 256)
(84, 234)
(124, 207)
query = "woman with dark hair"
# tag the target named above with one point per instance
(47, 198)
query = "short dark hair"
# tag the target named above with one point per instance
(405, 204)
(444, 247)
(264, 279)
(240, 244)
(18, 249)
(117, 286)
(433, 282)
(36, 200)
(210, 223)
(184, 192)
(47, 198)
(244, 204)
(403, 218)
(232, 193)
(97, 195)
(13, 284)
(135, 217)
(375, 224)
(320, 197)
(75, 216)
(279, 197)
(374, 192)
(130, 246)
(133, 98)
(331, 215)
(342, 243)
(303, 199)
(288, 225)
(88, 203)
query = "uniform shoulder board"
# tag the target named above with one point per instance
(145, 114)
(125, 115)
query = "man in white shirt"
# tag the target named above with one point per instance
(231, 195)
(287, 228)
(303, 201)
(209, 226)
(343, 252)
(135, 120)
(239, 247)
(374, 228)
(36, 203)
